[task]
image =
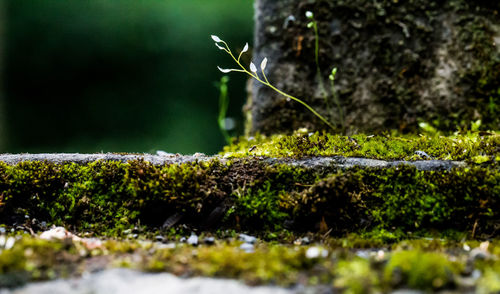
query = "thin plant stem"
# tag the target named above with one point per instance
(337, 102)
(266, 82)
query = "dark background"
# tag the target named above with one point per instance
(118, 75)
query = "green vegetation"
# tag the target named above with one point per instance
(421, 270)
(348, 269)
(472, 146)
(253, 73)
(344, 210)
(223, 105)
(251, 194)
(356, 276)
(314, 24)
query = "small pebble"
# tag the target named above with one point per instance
(476, 274)
(247, 247)
(193, 240)
(209, 240)
(315, 252)
(422, 154)
(159, 238)
(10, 243)
(365, 254)
(478, 254)
(247, 239)
(163, 153)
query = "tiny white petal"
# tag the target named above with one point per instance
(263, 64)
(224, 70)
(216, 39)
(309, 14)
(253, 67)
(245, 49)
(219, 46)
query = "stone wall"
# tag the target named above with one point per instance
(399, 63)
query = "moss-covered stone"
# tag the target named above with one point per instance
(420, 270)
(478, 147)
(418, 264)
(251, 194)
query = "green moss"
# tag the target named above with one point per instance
(301, 144)
(109, 197)
(260, 206)
(490, 280)
(420, 270)
(104, 196)
(402, 198)
(35, 259)
(420, 264)
(356, 277)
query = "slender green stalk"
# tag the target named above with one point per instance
(223, 106)
(336, 98)
(253, 73)
(314, 24)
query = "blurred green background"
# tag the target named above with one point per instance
(118, 75)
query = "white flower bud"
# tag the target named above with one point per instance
(245, 49)
(263, 64)
(253, 67)
(219, 46)
(223, 70)
(309, 14)
(216, 39)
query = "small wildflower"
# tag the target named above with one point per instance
(263, 64)
(309, 14)
(216, 39)
(253, 73)
(253, 68)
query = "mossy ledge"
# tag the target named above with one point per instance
(477, 147)
(335, 265)
(254, 194)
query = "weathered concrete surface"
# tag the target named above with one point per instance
(126, 281)
(168, 158)
(400, 62)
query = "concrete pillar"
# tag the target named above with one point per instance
(399, 63)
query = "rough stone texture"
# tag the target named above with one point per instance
(169, 158)
(125, 281)
(400, 62)
(3, 120)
